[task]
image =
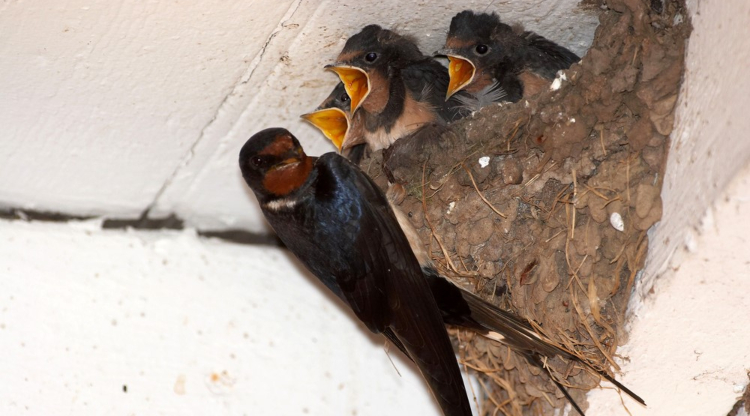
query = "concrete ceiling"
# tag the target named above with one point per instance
(112, 108)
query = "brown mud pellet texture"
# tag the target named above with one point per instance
(560, 164)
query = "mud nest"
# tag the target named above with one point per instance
(543, 206)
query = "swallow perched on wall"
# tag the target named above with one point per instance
(334, 119)
(339, 225)
(395, 87)
(487, 55)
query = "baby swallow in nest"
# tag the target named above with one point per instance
(496, 62)
(333, 118)
(393, 85)
(339, 224)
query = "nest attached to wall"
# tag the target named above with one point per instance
(543, 206)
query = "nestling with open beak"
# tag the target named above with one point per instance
(396, 88)
(496, 62)
(334, 119)
(340, 225)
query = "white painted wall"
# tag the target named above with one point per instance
(100, 101)
(191, 327)
(110, 107)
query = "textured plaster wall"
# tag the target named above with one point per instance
(120, 323)
(101, 101)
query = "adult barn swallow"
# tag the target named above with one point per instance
(486, 54)
(334, 119)
(395, 87)
(339, 225)
(296, 193)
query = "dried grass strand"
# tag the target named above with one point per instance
(489, 204)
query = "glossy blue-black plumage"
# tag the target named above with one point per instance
(340, 226)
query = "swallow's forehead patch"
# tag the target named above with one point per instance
(454, 42)
(280, 145)
(348, 56)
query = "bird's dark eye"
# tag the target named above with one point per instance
(344, 97)
(256, 161)
(482, 49)
(371, 57)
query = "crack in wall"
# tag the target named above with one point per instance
(170, 222)
(244, 79)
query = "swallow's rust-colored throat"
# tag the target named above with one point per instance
(287, 176)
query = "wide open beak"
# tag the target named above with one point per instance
(461, 71)
(333, 122)
(356, 81)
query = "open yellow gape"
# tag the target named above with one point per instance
(333, 122)
(356, 82)
(461, 72)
